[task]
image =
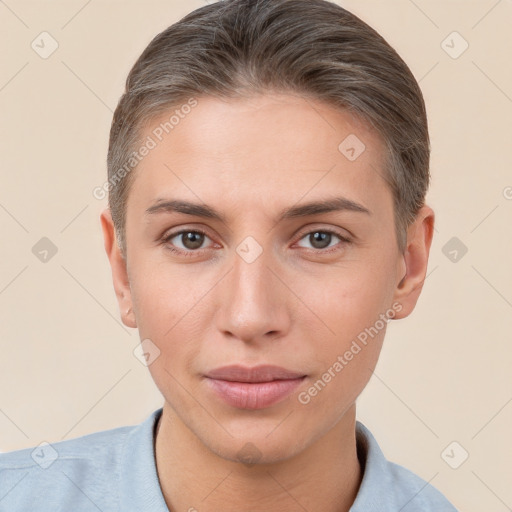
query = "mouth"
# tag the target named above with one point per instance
(253, 388)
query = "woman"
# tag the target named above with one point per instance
(268, 165)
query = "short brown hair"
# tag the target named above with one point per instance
(313, 48)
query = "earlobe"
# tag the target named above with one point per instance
(119, 269)
(415, 257)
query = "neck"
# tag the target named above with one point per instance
(324, 476)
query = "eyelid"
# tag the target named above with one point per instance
(344, 234)
(344, 241)
(171, 234)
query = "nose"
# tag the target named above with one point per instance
(253, 301)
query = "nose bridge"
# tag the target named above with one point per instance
(252, 304)
(251, 276)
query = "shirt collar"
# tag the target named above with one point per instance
(373, 494)
(140, 488)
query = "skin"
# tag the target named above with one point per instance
(296, 306)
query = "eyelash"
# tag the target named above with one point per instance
(191, 253)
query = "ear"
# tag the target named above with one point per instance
(119, 269)
(415, 261)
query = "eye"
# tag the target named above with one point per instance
(191, 241)
(321, 239)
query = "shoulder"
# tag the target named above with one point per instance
(415, 493)
(46, 454)
(75, 474)
(390, 486)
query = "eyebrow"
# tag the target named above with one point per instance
(304, 210)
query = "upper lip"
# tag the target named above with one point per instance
(261, 373)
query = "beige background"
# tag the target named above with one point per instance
(67, 366)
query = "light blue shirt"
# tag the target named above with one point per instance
(115, 471)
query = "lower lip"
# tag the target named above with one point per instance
(254, 395)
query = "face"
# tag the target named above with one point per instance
(256, 277)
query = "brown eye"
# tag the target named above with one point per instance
(322, 239)
(192, 239)
(186, 240)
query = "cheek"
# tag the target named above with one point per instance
(346, 301)
(169, 312)
(344, 366)
(158, 298)
(348, 311)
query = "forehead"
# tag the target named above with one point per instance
(258, 150)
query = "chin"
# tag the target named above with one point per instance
(256, 454)
(258, 448)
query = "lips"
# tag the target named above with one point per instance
(262, 373)
(253, 388)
